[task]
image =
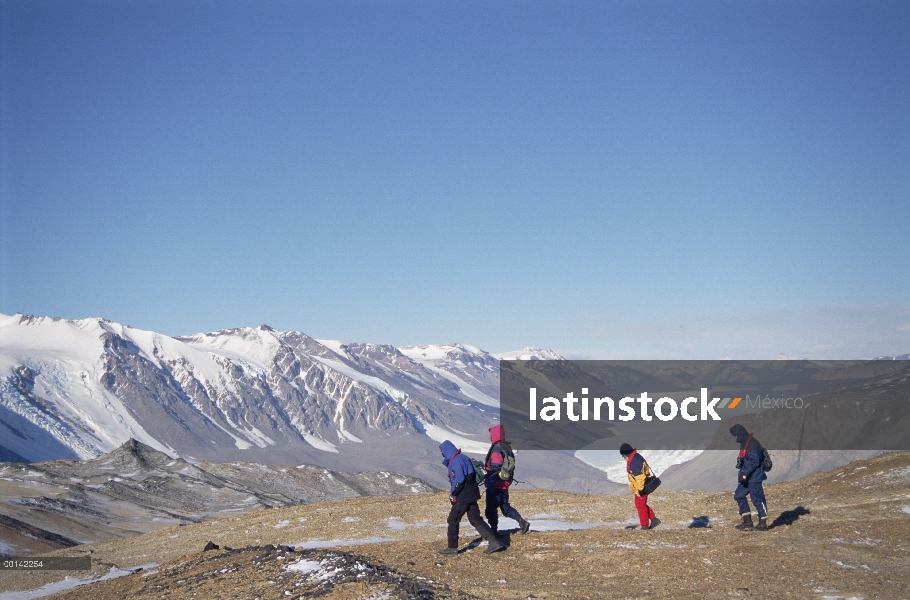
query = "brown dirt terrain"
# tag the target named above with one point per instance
(844, 533)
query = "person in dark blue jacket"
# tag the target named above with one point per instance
(749, 480)
(463, 495)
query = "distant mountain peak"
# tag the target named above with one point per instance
(134, 454)
(530, 353)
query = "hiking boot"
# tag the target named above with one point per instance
(762, 524)
(525, 526)
(449, 551)
(746, 525)
(654, 523)
(494, 545)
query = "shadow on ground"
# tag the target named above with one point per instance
(505, 536)
(789, 517)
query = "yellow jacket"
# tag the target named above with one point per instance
(638, 471)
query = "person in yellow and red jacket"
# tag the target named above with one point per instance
(639, 472)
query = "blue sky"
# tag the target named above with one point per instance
(610, 179)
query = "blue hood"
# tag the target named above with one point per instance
(448, 450)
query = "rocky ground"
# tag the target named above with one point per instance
(844, 533)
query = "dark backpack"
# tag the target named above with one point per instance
(507, 471)
(480, 472)
(766, 463)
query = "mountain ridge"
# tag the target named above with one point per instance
(136, 488)
(78, 388)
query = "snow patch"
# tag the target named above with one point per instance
(552, 525)
(314, 544)
(69, 583)
(465, 388)
(335, 346)
(319, 443)
(624, 546)
(347, 436)
(441, 434)
(374, 382)
(529, 354)
(614, 465)
(305, 566)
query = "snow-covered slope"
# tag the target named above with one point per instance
(530, 354)
(76, 389)
(474, 372)
(53, 402)
(89, 384)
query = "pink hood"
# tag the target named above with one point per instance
(497, 434)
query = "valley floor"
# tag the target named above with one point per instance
(844, 533)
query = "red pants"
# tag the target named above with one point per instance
(645, 514)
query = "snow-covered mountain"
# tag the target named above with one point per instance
(530, 354)
(77, 389)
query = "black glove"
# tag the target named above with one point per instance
(739, 463)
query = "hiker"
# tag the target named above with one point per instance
(751, 474)
(464, 494)
(500, 467)
(640, 483)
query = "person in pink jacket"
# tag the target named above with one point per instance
(500, 466)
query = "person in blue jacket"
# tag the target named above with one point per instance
(749, 480)
(463, 495)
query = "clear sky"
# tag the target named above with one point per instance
(609, 179)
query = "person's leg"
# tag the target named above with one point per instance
(507, 509)
(454, 521)
(493, 543)
(510, 511)
(479, 524)
(740, 496)
(651, 515)
(758, 499)
(641, 505)
(745, 512)
(492, 509)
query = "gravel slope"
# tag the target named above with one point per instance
(844, 533)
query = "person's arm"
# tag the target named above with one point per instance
(458, 477)
(637, 475)
(751, 463)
